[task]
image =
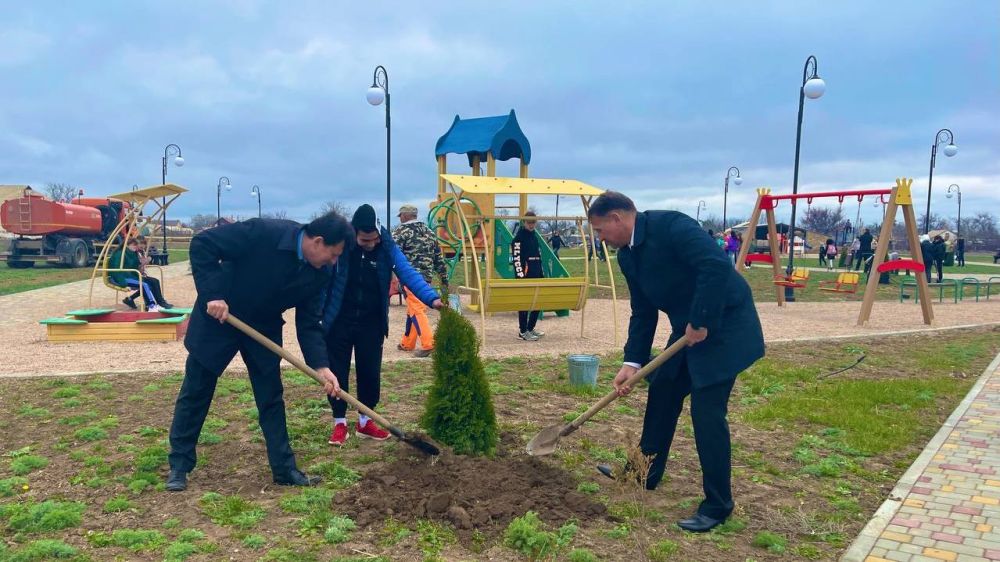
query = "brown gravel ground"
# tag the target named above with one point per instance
(26, 351)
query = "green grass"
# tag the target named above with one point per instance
(27, 464)
(772, 542)
(12, 486)
(91, 434)
(18, 280)
(44, 549)
(44, 517)
(232, 511)
(117, 504)
(339, 529)
(133, 539)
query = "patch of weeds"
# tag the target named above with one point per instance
(151, 387)
(433, 537)
(287, 555)
(151, 459)
(71, 391)
(178, 551)
(190, 535)
(71, 403)
(604, 455)
(662, 550)
(109, 422)
(117, 504)
(527, 536)
(132, 539)
(209, 438)
(232, 511)
(150, 431)
(772, 542)
(310, 499)
(44, 549)
(45, 517)
(12, 486)
(100, 385)
(142, 480)
(730, 527)
(339, 529)
(91, 433)
(215, 424)
(626, 410)
(619, 532)
(30, 411)
(808, 551)
(254, 542)
(392, 532)
(832, 466)
(582, 555)
(297, 378)
(27, 464)
(172, 523)
(252, 413)
(336, 473)
(588, 487)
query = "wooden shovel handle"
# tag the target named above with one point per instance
(638, 376)
(301, 365)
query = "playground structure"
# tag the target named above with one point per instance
(469, 222)
(900, 197)
(102, 324)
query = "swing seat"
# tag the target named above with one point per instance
(901, 265)
(759, 258)
(846, 283)
(556, 293)
(799, 279)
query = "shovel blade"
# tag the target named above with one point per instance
(546, 441)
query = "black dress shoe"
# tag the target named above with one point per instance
(130, 303)
(177, 481)
(297, 478)
(167, 305)
(699, 523)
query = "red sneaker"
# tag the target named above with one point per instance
(372, 431)
(339, 435)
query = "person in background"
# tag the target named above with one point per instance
(421, 249)
(556, 242)
(960, 252)
(134, 261)
(927, 253)
(937, 252)
(831, 254)
(865, 251)
(527, 259)
(855, 253)
(356, 317)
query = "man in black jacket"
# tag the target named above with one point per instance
(672, 265)
(865, 251)
(256, 270)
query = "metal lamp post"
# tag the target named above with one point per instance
(725, 192)
(812, 87)
(218, 198)
(379, 91)
(255, 190)
(168, 151)
(943, 136)
(701, 206)
(958, 191)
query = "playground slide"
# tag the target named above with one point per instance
(503, 267)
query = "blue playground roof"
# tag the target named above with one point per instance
(499, 135)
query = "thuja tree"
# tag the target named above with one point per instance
(459, 411)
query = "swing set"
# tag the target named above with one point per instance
(899, 197)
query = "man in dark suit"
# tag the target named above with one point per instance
(672, 265)
(255, 269)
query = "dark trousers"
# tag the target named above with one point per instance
(364, 338)
(196, 395)
(938, 264)
(862, 260)
(151, 288)
(526, 320)
(709, 406)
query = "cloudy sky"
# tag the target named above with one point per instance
(653, 99)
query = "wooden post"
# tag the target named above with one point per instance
(442, 169)
(880, 251)
(491, 165)
(754, 217)
(923, 291)
(523, 199)
(475, 164)
(772, 240)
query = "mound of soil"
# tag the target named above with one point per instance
(468, 492)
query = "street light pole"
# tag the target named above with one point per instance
(218, 198)
(168, 151)
(942, 136)
(378, 91)
(701, 205)
(255, 190)
(957, 190)
(813, 87)
(725, 192)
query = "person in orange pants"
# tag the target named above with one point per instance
(420, 246)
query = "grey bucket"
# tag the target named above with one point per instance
(455, 302)
(583, 370)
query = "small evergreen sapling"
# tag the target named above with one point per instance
(459, 411)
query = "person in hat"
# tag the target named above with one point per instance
(527, 258)
(420, 246)
(356, 317)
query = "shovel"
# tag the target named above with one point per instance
(547, 439)
(422, 444)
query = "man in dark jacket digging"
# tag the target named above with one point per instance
(256, 270)
(356, 317)
(672, 265)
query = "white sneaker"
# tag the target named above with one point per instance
(537, 333)
(153, 308)
(528, 336)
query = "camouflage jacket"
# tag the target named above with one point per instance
(420, 246)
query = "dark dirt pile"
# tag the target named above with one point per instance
(468, 492)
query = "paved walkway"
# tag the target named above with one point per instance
(947, 505)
